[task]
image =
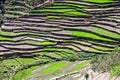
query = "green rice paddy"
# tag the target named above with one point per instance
(67, 10)
(53, 67)
(5, 38)
(46, 43)
(62, 67)
(106, 32)
(89, 35)
(79, 66)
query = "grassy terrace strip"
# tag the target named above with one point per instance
(53, 17)
(52, 10)
(60, 53)
(106, 33)
(64, 11)
(32, 42)
(38, 43)
(60, 45)
(46, 43)
(12, 34)
(79, 66)
(53, 54)
(102, 48)
(54, 67)
(100, 1)
(60, 49)
(98, 51)
(57, 54)
(25, 73)
(26, 61)
(19, 61)
(11, 62)
(11, 16)
(6, 33)
(89, 35)
(5, 38)
(68, 9)
(61, 67)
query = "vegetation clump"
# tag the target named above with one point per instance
(108, 63)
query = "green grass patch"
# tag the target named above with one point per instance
(25, 61)
(77, 13)
(64, 52)
(19, 61)
(79, 66)
(118, 48)
(102, 48)
(68, 8)
(89, 35)
(6, 33)
(54, 54)
(25, 73)
(99, 51)
(57, 68)
(115, 71)
(11, 62)
(58, 54)
(46, 43)
(59, 49)
(33, 42)
(106, 33)
(64, 11)
(53, 17)
(52, 10)
(5, 38)
(53, 67)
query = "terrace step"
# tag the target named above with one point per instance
(21, 47)
(76, 2)
(31, 20)
(11, 28)
(27, 32)
(2, 49)
(103, 9)
(107, 27)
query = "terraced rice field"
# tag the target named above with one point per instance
(68, 30)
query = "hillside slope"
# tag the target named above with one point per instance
(69, 30)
